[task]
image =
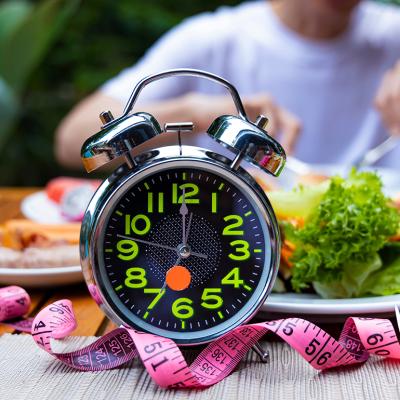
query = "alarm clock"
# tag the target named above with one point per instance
(180, 241)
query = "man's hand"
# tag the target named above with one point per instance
(202, 109)
(387, 100)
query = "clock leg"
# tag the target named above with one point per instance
(263, 354)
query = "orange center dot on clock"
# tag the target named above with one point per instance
(178, 277)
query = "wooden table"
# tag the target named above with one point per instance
(91, 320)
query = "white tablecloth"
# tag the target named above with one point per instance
(27, 372)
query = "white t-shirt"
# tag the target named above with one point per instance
(329, 85)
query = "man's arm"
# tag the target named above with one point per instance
(82, 122)
(200, 109)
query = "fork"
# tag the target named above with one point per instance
(377, 152)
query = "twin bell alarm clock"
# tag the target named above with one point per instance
(180, 241)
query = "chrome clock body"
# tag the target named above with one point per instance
(109, 192)
(246, 141)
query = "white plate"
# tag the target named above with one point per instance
(301, 303)
(39, 208)
(41, 277)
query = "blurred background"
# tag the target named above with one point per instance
(54, 53)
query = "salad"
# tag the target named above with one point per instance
(340, 238)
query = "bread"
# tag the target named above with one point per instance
(19, 234)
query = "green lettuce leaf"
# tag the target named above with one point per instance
(353, 279)
(379, 276)
(351, 223)
(385, 281)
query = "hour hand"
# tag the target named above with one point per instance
(183, 210)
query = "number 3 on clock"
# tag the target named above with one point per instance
(241, 248)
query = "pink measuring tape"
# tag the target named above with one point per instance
(164, 361)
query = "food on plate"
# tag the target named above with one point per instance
(296, 205)
(72, 195)
(20, 233)
(44, 257)
(56, 188)
(27, 244)
(340, 237)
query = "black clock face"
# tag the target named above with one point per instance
(183, 250)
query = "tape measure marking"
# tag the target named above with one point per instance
(164, 361)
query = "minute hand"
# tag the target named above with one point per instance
(163, 246)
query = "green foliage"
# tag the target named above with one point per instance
(28, 37)
(102, 38)
(9, 110)
(26, 34)
(12, 14)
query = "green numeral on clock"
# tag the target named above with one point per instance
(210, 299)
(191, 190)
(139, 224)
(159, 293)
(128, 249)
(135, 278)
(182, 308)
(232, 278)
(230, 229)
(241, 247)
(150, 202)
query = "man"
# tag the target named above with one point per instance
(326, 73)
